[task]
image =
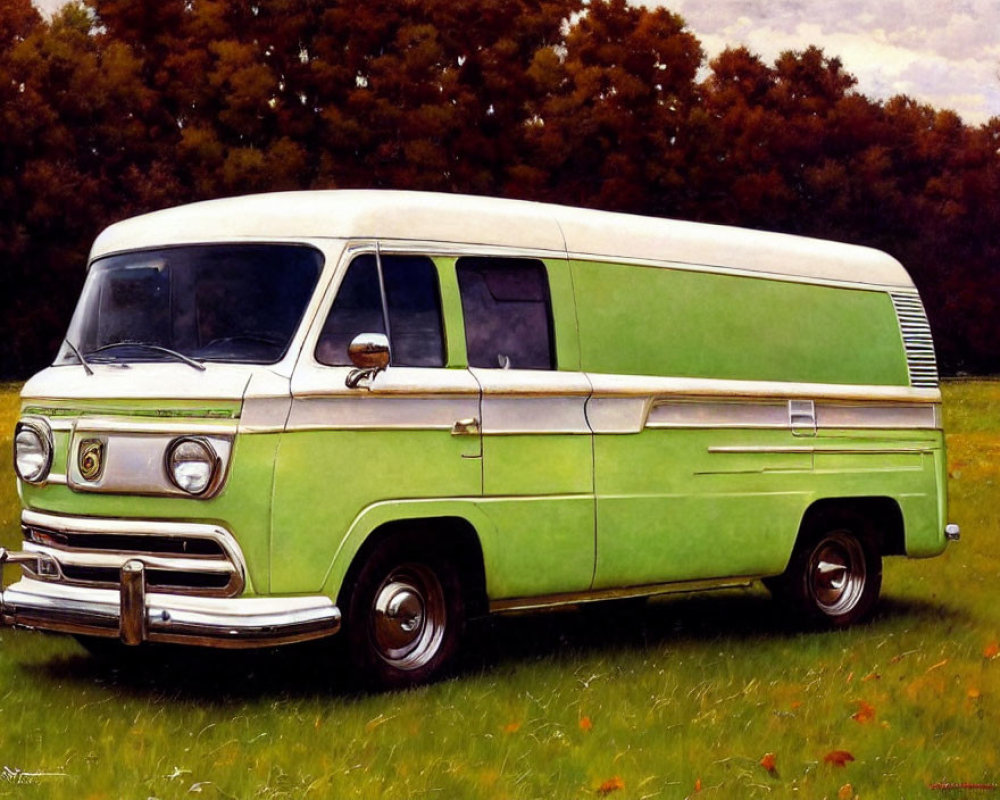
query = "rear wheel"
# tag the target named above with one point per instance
(835, 575)
(405, 616)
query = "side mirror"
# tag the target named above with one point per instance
(369, 352)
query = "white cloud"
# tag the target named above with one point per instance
(941, 52)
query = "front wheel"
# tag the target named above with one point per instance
(834, 577)
(404, 616)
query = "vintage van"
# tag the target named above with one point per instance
(281, 415)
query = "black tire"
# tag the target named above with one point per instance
(404, 616)
(834, 576)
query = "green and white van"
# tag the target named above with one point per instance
(279, 416)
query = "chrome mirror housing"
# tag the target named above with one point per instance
(369, 352)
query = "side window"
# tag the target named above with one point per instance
(508, 314)
(414, 308)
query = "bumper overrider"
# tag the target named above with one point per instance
(45, 598)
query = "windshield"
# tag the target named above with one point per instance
(238, 303)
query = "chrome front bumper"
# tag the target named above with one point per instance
(135, 616)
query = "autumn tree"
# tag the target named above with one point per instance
(607, 124)
(75, 153)
(121, 106)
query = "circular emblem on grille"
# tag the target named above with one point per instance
(91, 459)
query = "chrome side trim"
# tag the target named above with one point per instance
(561, 403)
(923, 417)
(431, 398)
(533, 415)
(625, 414)
(607, 385)
(220, 622)
(151, 426)
(618, 593)
(520, 401)
(824, 451)
(759, 414)
(61, 424)
(628, 404)
(367, 412)
(716, 414)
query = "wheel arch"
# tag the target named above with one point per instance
(881, 517)
(441, 531)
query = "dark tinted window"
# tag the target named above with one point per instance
(508, 318)
(411, 288)
(233, 302)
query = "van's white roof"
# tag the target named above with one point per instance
(492, 222)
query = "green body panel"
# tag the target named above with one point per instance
(668, 509)
(243, 507)
(654, 321)
(565, 328)
(534, 464)
(325, 479)
(328, 482)
(917, 481)
(543, 545)
(530, 546)
(451, 313)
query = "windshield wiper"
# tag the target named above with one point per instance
(79, 357)
(155, 347)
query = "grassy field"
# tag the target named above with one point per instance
(707, 696)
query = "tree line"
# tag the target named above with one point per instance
(118, 107)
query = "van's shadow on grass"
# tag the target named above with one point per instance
(738, 617)
(495, 644)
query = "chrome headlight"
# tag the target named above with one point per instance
(32, 450)
(192, 464)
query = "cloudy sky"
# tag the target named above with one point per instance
(942, 52)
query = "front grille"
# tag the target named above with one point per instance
(157, 580)
(199, 562)
(917, 341)
(128, 543)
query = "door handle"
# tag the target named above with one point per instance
(465, 427)
(802, 417)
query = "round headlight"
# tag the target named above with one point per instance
(191, 465)
(32, 451)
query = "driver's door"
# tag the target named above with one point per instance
(389, 438)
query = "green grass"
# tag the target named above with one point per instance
(691, 693)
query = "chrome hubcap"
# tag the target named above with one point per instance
(837, 573)
(408, 617)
